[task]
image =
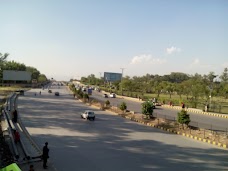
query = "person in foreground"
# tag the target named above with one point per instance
(45, 155)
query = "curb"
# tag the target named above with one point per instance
(179, 133)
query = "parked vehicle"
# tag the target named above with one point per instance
(113, 95)
(89, 91)
(49, 91)
(21, 92)
(88, 114)
(105, 95)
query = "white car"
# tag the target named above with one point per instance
(88, 114)
(113, 95)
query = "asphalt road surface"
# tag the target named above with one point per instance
(109, 143)
(203, 121)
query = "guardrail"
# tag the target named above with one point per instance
(25, 132)
(11, 105)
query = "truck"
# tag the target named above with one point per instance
(89, 91)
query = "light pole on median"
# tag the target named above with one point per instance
(211, 88)
(121, 81)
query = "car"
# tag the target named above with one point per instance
(113, 95)
(88, 114)
(57, 93)
(20, 92)
(158, 104)
(105, 95)
(49, 91)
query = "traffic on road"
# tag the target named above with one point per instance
(111, 142)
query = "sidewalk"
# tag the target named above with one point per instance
(38, 166)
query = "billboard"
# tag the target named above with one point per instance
(111, 77)
(16, 75)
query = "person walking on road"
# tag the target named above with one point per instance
(16, 136)
(45, 155)
(15, 116)
(31, 168)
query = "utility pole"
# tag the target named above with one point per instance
(211, 88)
(121, 81)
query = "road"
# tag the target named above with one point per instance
(203, 121)
(110, 142)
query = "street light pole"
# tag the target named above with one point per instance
(211, 87)
(121, 81)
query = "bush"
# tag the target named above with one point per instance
(80, 94)
(107, 102)
(85, 96)
(123, 106)
(147, 108)
(183, 117)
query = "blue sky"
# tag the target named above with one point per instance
(67, 39)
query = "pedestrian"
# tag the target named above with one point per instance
(40, 92)
(16, 136)
(15, 116)
(183, 105)
(31, 168)
(45, 155)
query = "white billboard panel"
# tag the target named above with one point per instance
(17, 75)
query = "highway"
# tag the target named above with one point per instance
(205, 121)
(109, 143)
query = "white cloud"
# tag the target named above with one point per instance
(146, 59)
(196, 61)
(172, 50)
(225, 65)
(140, 59)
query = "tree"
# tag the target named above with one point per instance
(42, 78)
(224, 90)
(3, 57)
(123, 106)
(211, 76)
(224, 76)
(179, 88)
(169, 87)
(34, 71)
(183, 117)
(147, 108)
(158, 87)
(12, 65)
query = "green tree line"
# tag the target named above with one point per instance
(13, 65)
(190, 88)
